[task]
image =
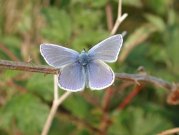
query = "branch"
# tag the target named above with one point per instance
(24, 66)
(105, 119)
(169, 132)
(55, 87)
(130, 96)
(118, 22)
(144, 78)
(55, 105)
(120, 18)
(136, 78)
(109, 16)
(173, 97)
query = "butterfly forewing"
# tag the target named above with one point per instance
(108, 49)
(58, 56)
(72, 77)
(100, 75)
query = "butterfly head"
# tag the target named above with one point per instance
(84, 51)
(83, 58)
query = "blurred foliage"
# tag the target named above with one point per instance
(24, 110)
(139, 122)
(152, 36)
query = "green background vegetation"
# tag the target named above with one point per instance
(25, 98)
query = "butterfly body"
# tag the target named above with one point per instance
(89, 69)
(84, 58)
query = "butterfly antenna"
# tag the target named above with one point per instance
(124, 33)
(84, 49)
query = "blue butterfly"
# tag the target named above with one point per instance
(86, 68)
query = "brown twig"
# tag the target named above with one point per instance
(106, 99)
(140, 78)
(109, 16)
(105, 123)
(8, 52)
(24, 66)
(173, 97)
(105, 120)
(169, 131)
(129, 98)
(120, 18)
(55, 105)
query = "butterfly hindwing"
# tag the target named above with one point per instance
(100, 75)
(72, 77)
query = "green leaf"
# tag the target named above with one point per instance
(171, 40)
(12, 43)
(98, 3)
(85, 20)
(134, 3)
(61, 126)
(159, 6)
(26, 22)
(84, 42)
(136, 38)
(156, 21)
(58, 28)
(41, 85)
(77, 105)
(64, 3)
(27, 111)
(135, 121)
(90, 3)
(8, 75)
(158, 53)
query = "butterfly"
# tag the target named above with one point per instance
(89, 69)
